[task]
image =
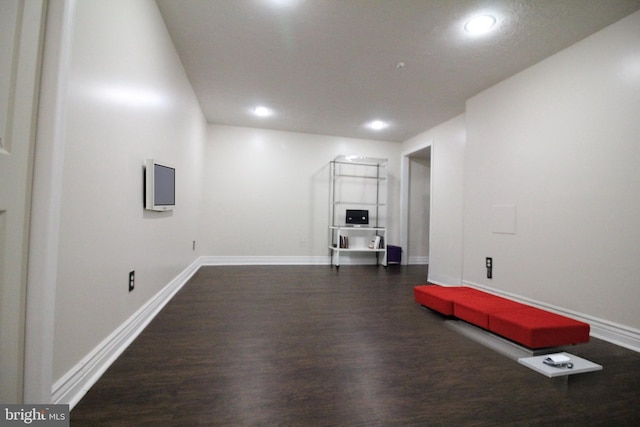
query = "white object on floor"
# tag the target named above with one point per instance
(580, 365)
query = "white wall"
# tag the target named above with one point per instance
(129, 99)
(447, 170)
(560, 142)
(266, 194)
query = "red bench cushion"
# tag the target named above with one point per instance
(441, 298)
(529, 326)
(476, 309)
(537, 328)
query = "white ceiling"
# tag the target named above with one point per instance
(330, 66)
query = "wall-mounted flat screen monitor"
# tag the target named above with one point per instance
(160, 186)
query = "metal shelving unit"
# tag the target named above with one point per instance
(358, 183)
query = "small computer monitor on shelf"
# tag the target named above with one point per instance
(357, 217)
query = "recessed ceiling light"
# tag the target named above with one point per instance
(377, 125)
(480, 24)
(262, 111)
(282, 3)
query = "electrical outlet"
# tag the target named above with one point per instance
(489, 265)
(132, 280)
(194, 245)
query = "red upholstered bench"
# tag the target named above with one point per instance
(529, 326)
(440, 298)
(537, 328)
(476, 309)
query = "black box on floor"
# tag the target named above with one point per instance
(394, 254)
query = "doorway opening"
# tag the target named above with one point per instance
(416, 204)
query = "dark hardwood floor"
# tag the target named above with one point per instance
(316, 345)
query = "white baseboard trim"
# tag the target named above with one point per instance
(605, 330)
(265, 260)
(437, 279)
(72, 386)
(421, 260)
(351, 261)
(438, 282)
(620, 335)
(285, 260)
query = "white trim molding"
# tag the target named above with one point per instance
(286, 260)
(418, 260)
(614, 333)
(605, 330)
(72, 386)
(265, 260)
(46, 201)
(443, 280)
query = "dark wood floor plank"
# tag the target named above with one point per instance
(316, 345)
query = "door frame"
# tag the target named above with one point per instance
(404, 195)
(47, 203)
